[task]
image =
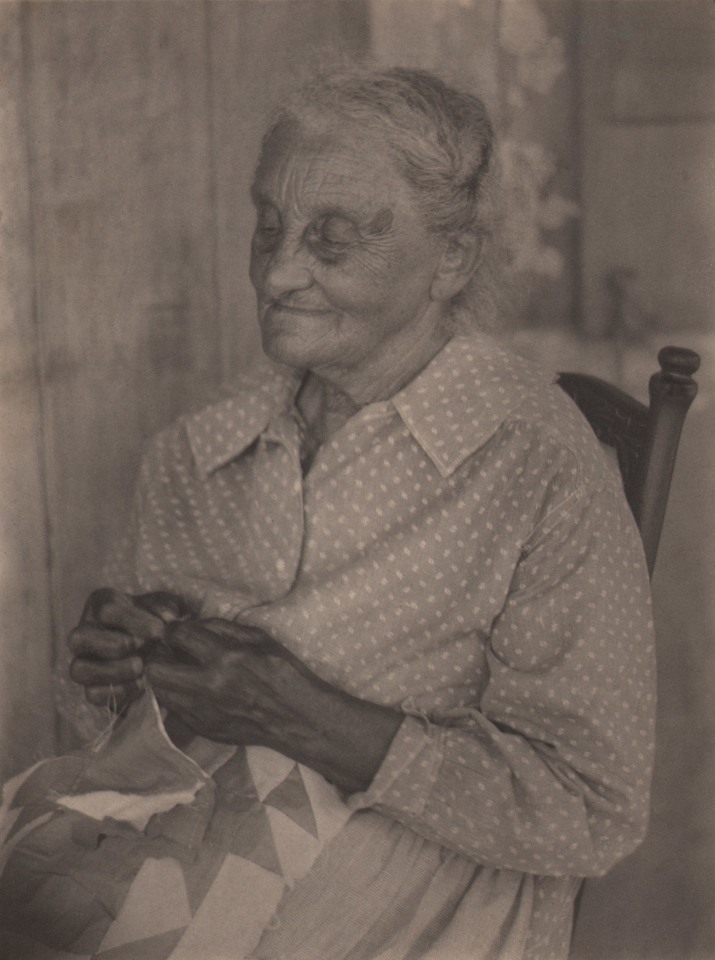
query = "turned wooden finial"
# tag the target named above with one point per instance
(678, 361)
(674, 381)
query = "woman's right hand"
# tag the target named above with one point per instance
(108, 643)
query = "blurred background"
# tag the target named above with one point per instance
(128, 134)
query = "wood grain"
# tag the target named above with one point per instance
(124, 255)
(26, 714)
(258, 52)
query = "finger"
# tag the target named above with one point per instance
(110, 608)
(193, 639)
(92, 673)
(237, 632)
(166, 606)
(114, 696)
(177, 677)
(247, 639)
(180, 721)
(176, 702)
(88, 640)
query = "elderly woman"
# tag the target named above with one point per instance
(390, 578)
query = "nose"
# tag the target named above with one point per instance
(285, 270)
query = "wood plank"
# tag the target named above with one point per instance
(258, 52)
(26, 713)
(647, 189)
(122, 212)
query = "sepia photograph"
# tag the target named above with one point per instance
(357, 550)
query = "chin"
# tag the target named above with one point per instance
(285, 349)
(298, 339)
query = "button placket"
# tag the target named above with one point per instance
(284, 540)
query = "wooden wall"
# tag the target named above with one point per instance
(130, 131)
(26, 718)
(646, 84)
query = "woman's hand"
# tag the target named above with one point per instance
(234, 684)
(113, 633)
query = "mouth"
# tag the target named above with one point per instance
(273, 311)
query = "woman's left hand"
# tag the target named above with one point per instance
(235, 684)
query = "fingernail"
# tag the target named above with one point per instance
(137, 666)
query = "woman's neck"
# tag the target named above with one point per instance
(325, 406)
(397, 363)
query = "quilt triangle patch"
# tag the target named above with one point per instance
(201, 873)
(296, 848)
(268, 768)
(234, 782)
(17, 945)
(234, 913)
(159, 947)
(291, 798)
(156, 903)
(252, 839)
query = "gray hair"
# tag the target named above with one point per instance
(441, 141)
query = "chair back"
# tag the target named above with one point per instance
(645, 438)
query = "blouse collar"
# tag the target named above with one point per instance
(451, 408)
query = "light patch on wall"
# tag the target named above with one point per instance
(534, 59)
(539, 56)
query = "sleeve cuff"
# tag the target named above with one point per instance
(407, 774)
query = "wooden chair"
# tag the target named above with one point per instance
(645, 438)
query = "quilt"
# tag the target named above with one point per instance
(135, 850)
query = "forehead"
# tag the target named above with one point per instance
(340, 165)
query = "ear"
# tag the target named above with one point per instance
(459, 260)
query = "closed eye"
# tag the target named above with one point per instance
(269, 229)
(331, 236)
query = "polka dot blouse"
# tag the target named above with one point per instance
(463, 553)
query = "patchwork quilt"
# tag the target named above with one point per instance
(135, 850)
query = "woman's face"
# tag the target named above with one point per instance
(341, 260)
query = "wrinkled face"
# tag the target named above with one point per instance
(341, 259)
